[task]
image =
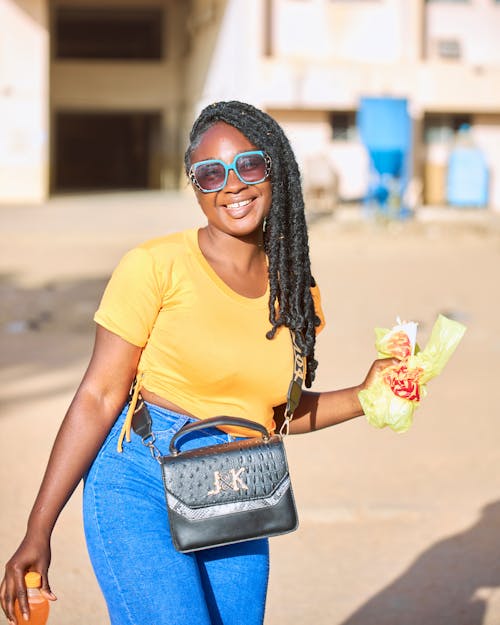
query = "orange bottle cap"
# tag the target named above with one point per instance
(33, 579)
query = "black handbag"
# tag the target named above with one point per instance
(231, 492)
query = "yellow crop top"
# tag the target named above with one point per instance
(205, 346)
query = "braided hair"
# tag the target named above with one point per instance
(285, 235)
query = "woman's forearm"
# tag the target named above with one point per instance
(320, 410)
(94, 409)
(82, 432)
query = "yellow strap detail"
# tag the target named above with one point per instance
(127, 424)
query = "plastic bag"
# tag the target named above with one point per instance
(397, 391)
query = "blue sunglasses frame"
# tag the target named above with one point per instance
(228, 168)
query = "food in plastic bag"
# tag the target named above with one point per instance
(397, 391)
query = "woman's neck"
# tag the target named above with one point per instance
(239, 261)
(240, 252)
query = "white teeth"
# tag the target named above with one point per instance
(239, 204)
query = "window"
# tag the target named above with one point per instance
(441, 127)
(108, 33)
(448, 48)
(343, 125)
(106, 150)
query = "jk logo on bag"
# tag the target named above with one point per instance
(230, 480)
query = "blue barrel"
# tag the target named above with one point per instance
(384, 124)
(467, 180)
(385, 129)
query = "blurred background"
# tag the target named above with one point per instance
(393, 109)
(393, 103)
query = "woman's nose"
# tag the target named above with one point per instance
(233, 183)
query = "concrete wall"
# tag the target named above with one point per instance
(225, 51)
(373, 32)
(324, 56)
(327, 55)
(130, 86)
(474, 25)
(24, 98)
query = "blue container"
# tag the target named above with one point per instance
(384, 124)
(385, 129)
(388, 161)
(467, 180)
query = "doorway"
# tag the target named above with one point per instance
(97, 151)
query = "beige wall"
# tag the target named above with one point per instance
(474, 25)
(195, 57)
(345, 31)
(430, 86)
(325, 56)
(130, 86)
(24, 96)
(329, 54)
(308, 131)
(224, 53)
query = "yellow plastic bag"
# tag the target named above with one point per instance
(397, 391)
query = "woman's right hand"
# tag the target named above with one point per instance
(99, 399)
(33, 554)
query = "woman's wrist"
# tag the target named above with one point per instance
(39, 527)
(356, 408)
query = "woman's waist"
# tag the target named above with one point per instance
(170, 408)
(163, 402)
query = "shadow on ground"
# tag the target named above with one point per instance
(449, 584)
(47, 326)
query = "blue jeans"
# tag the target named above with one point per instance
(145, 581)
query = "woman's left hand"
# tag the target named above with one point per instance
(321, 410)
(377, 367)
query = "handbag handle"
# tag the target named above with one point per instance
(215, 422)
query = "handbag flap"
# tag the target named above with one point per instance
(244, 470)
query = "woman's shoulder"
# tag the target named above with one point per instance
(163, 250)
(156, 257)
(172, 243)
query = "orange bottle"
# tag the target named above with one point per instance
(39, 605)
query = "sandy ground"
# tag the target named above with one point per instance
(396, 529)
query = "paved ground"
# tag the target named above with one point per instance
(395, 529)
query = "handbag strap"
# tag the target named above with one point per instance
(141, 422)
(295, 388)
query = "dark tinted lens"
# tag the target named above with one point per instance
(251, 167)
(210, 175)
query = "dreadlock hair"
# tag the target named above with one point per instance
(285, 234)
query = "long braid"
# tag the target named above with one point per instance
(285, 236)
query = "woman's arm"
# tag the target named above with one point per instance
(320, 410)
(95, 407)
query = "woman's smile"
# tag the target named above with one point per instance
(239, 204)
(239, 208)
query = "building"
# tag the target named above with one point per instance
(100, 94)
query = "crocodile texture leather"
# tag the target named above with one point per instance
(228, 493)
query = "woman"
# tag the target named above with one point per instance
(200, 318)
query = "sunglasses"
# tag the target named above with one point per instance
(211, 175)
